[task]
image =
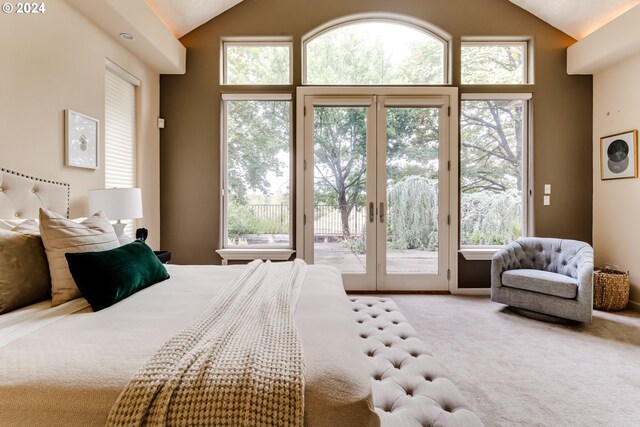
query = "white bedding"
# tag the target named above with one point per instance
(67, 367)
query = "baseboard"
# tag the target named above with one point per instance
(635, 306)
(471, 291)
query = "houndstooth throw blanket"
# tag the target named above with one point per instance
(239, 364)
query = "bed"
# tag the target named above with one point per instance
(67, 365)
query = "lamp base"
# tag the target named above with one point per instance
(119, 229)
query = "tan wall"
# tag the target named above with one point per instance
(616, 203)
(191, 104)
(56, 61)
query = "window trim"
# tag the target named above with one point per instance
(527, 61)
(267, 41)
(393, 18)
(485, 252)
(253, 251)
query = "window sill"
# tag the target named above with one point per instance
(478, 254)
(280, 254)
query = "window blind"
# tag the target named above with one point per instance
(120, 136)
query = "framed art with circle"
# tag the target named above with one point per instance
(619, 155)
(82, 140)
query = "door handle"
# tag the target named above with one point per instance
(381, 212)
(371, 212)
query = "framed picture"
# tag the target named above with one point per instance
(81, 140)
(619, 155)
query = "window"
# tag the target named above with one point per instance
(256, 62)
(375, 52)
(120, 165)
(256, 171)
(493, 168)
(494, 63)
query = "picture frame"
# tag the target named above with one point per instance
(619, 155)
(82, 138)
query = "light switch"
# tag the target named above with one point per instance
(547, 200)
(547, 189)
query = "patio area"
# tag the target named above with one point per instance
(346, 260)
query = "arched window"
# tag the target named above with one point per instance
(376, 50)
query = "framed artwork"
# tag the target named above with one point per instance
(81, 140)
(619, 155)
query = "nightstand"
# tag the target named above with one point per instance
(163, 256)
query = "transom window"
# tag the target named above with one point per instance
(375, 52)
(263, 61)
(494, 63)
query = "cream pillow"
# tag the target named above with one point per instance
(61, 235)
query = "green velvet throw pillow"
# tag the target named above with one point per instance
(106, 277)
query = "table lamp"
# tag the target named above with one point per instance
(117, 204)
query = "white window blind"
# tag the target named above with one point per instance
(120, 134)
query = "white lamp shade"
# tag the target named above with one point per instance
(116, 203)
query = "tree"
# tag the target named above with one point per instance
(492, 136)
(340, 146)
(257, 131)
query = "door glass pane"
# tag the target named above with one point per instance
(340, 169)
(413, 136)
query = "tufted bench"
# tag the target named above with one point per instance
(409, 388)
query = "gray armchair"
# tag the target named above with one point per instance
(549, 279)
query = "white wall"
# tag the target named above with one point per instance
(616, 203)
(56, 61)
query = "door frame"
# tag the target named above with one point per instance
(345, 91)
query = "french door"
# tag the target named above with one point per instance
(374, 186)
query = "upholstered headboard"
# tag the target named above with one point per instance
(21, 196)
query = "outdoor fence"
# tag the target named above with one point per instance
(327, 218)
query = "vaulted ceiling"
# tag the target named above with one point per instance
(578, 18)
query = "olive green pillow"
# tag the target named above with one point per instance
(24, 272)
(106, 277)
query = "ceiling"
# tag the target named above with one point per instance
(578, 18)
(182, 16)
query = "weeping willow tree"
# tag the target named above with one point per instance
(489, 218)
(413, 213)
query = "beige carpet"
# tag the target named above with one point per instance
(515, 371)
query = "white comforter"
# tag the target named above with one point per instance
(71, 370)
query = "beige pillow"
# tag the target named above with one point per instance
(28, 226)
(24, 274)
(61, 235)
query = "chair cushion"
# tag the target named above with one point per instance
(541, 281)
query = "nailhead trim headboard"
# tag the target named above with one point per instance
(21, 196)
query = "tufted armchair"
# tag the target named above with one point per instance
(545, 278)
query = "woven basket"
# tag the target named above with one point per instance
(610, 289)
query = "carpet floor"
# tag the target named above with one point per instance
(515, 371)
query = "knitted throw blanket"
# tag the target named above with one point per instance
(239, 364)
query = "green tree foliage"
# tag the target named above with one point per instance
(491, 140)
(340, 146)
(251, 65)
(257, 131)
(413, 214)
(489, 218)
(375, 53)
(487, 64)
(491, 134)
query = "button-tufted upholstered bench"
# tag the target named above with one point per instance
(409, 387)
(547, 279)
